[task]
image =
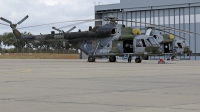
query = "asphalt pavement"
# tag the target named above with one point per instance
(30, 85)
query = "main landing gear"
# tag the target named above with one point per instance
(112, 58)
(138, 60)
(91, 59)
(129, 58)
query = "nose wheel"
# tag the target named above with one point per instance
(138, 60)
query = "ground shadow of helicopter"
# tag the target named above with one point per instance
(109, 40)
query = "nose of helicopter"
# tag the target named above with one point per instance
(153, 50)
(156, 50)
(187, 50)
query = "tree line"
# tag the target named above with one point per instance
(10, 45)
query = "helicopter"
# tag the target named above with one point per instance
(109, 40)
(169, 45)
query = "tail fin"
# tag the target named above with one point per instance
(17, 34)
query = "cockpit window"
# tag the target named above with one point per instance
(139, 43)
(175, 45)
(113, 31)
(147, 42)
(179, 45)
(155, 36)
(153, 40)
(143, 43)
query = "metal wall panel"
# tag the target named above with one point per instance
(120, 17)
(133, 5)
(148, 3)
(143, 19)
(161, 17)
(138, 25)
(129, 16)
(197, 37)
(148, 17)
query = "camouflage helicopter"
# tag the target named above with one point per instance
(169, 44)
(109, 40)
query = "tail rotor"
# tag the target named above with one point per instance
(17, 34)
(13, 26)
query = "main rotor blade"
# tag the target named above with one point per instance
(167, 28)
(56, 23)
(71, 29)
(3, 19)
(23, 20)
(56, 29)
(174, 29)
(63, 31)
(76, 24)
(4, 24)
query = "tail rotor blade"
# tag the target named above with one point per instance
(3, 19)
(23, 20)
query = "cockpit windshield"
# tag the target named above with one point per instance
(153, 41)
(147, 43)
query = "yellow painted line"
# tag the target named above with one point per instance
(26, 71)
(16, 72)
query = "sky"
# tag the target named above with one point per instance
(48, 11)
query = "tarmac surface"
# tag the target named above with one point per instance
(30, 85)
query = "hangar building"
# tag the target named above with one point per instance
(180, 14)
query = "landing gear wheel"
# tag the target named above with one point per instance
(129, 59)
(138, 60)
(91, 59)
(112, 58)
(145, 57)
(173, 57)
